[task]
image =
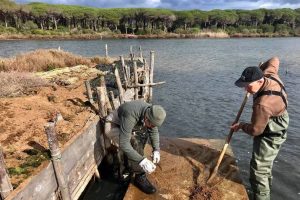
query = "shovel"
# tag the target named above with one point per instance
(227, 141)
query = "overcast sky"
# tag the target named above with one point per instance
(178, 4)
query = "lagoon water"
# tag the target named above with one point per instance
(200, 97)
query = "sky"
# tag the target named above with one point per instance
(178, 4)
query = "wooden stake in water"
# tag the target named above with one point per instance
(5, 184)
(106, 51)
(141, 52)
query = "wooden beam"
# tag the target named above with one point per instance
(141, 52)
(5, 184)
(147, 85)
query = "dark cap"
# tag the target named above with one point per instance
(156, 115)
(249, 75)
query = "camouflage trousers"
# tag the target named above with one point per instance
(265, 149)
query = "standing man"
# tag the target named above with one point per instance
(129, 128)
(269, 122)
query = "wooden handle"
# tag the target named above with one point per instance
(228, 138)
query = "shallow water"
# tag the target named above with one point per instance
(200, 97)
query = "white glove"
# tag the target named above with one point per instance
(147, 166)
(156, 157)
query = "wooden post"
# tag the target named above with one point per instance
(136, 81)
(101, 101)
(141, 53)
(146, 81)
(56, 160)
(128, 74)
(116, 102)
(124, 70)
(151, 74)
(5, 184)
(131, 57)
(106, 51)
(119, 84)
(107, 107)
(131, 52)
(89, 91)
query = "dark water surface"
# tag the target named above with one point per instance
(200, 97)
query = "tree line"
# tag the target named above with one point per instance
(36, 17)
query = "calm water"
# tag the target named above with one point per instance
(200, 97)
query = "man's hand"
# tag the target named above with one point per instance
(237, 126)
(156, 157)
(147, 166)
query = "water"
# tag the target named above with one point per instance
(200, 97)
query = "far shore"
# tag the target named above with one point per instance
(132, 36)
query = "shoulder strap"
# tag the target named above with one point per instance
(274, 79)
(271, 92)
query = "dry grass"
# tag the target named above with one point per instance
(43, 60)
(14, 84)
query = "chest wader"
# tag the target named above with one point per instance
(118, 159)
(265, 149)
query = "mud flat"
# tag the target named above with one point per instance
(184, 168)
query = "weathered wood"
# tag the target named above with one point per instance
(146, 85)
(124, 70)
(89, 91)
(128, 74)
(5, 184)
(141, 52)
(146, 81)
(136, 81)
(115, 101)
(80, 154)
(101, 101)
(132, 57)
(108, 107)
(106, 51)
(131, 51)
(151, 74)
(119, 84)
(56, 160)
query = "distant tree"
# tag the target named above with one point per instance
(6, 10)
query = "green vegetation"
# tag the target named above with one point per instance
(47, 19)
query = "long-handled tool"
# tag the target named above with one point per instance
(214, 172)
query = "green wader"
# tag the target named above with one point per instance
(265, 149)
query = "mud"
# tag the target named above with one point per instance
(22, 121)
(184, 169)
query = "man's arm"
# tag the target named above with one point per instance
(260, 118)
(126, 125)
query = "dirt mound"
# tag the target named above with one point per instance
(22, 119)
(204, 193)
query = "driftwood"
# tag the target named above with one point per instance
(56, 160)
(5, 184)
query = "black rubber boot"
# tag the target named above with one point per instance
(144, 184)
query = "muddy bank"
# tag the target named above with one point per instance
(184, 168)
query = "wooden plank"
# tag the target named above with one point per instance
(89, 91)
(5, 184)
(119, 84)
(87, 146)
